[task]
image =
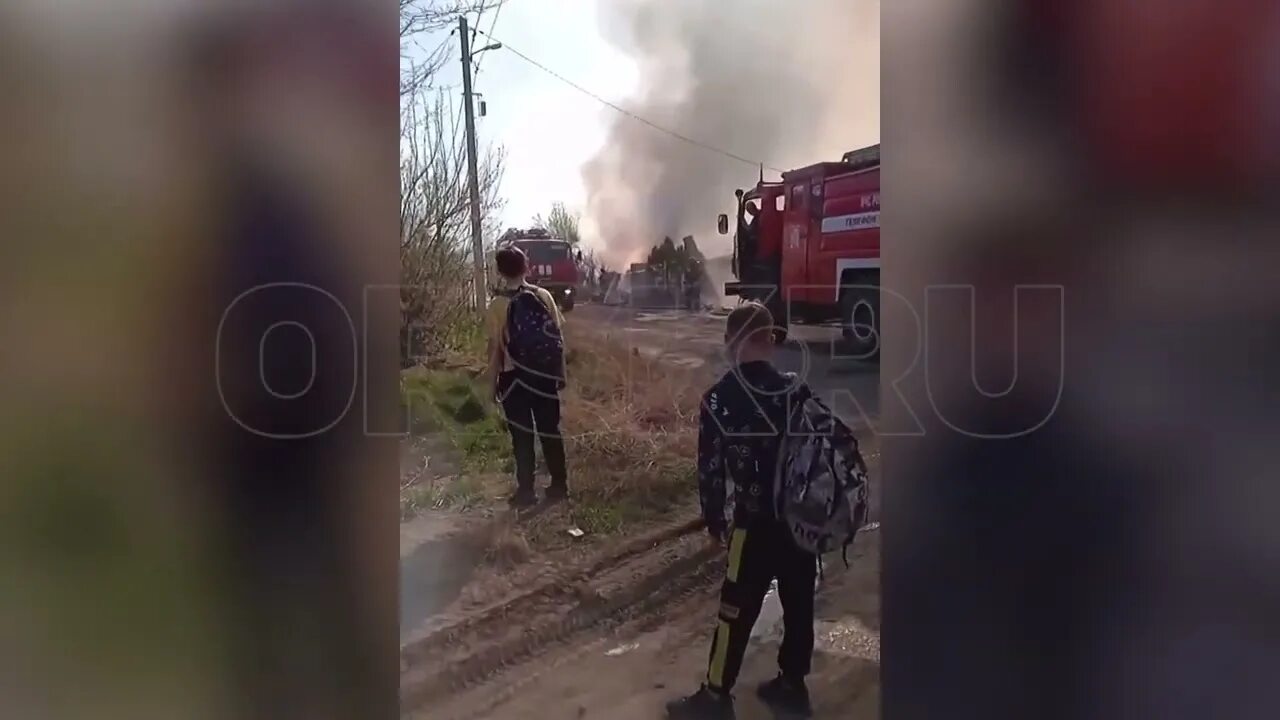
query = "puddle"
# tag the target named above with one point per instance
(433, 575)
(770, 621)
(845, 636)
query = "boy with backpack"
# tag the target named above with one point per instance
(798, 490)
(526, 357)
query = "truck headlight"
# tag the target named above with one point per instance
(568, 291)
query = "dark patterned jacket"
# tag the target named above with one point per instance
(739, 427)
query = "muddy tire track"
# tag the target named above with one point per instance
(625, 588)
(552, 587)
(673, 597)
(478, 700)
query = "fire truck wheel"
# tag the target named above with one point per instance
(567, 304)
(860, 323)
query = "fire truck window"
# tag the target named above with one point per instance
(782, 203)
(546, 252)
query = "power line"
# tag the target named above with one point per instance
(628, 113)
(496, 14)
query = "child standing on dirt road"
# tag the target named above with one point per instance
(526, 359)
(742, 420)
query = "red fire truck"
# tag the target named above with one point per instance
(809, 247)
(553, 262)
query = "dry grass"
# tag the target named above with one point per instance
(629, 416)
(630, 425)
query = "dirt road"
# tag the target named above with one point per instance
(697, 339)
(615, 633)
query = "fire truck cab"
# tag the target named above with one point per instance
(808, 247)
(553, 262)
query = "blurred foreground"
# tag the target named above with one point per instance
(180, 540)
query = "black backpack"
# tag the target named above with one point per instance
(534, 342)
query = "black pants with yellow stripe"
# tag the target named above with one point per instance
(758, 555)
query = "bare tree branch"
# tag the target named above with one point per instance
(435, 227)
(561, 222)
(422, 17)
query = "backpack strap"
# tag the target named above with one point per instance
(514, 293)
(780, 463)
(801, 392)
(507, 292)
(795, 404)
(510, 294)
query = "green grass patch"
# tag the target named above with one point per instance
(465, 340)
(453, 403)
(485, 445)
(611, 501)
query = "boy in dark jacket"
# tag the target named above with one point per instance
(742, 420)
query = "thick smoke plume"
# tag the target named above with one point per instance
(785, 83)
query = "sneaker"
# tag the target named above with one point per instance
(706, 704)
(557, 492)
(523, 498)
(786, 697)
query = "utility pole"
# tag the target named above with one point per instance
(473, 180)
